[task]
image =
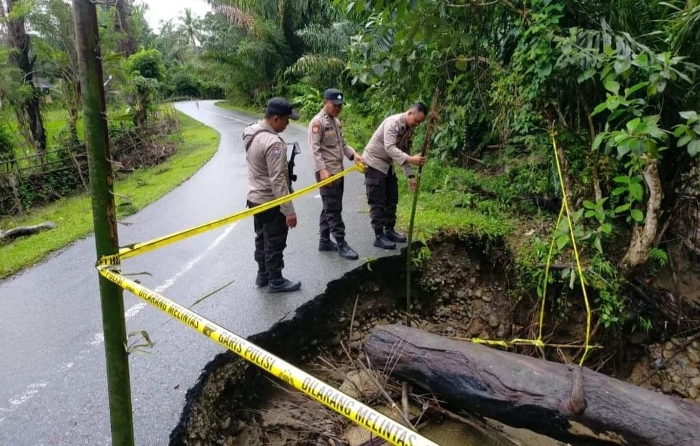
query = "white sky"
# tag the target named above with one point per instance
(164, 10)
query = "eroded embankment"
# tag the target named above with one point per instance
(463, 291)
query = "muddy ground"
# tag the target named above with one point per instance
(461, 292)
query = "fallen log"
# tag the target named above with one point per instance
(25, 230)
(565, 402)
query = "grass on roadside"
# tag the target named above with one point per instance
(73, 215)
(447, 201)
(240, 108)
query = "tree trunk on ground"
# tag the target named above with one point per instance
(31, 106)
(562, 401)
(643, 237)
(126, 44)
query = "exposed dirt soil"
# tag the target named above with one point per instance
(459, 293)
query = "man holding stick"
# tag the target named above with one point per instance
(390, 143)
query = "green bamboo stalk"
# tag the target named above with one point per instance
(409, 249)
(104, 219)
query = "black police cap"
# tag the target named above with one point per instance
(333, 95)
(281, 107)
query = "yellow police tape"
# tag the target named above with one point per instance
(366, 417)
(142, 247)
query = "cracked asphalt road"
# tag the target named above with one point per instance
(53, 388)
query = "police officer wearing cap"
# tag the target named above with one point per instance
(329, 147)
(268, 179)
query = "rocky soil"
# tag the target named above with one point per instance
(458, 293)
(672, 368)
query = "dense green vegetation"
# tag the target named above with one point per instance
(612, 84)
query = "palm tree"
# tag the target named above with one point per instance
(190, 27)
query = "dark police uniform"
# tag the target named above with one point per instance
(328, 146)
(268, 179)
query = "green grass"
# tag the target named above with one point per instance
(73, 215)
(449, 200)
(240, 108)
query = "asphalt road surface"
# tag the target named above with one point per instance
(53, 388)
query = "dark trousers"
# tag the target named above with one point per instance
(270, 240)
(331, 221)
(382, 197)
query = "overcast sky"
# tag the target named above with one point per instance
(172, 9)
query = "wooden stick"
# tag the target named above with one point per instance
(431, 122)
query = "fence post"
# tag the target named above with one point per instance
(104, 219)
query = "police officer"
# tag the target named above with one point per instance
(329, 146)
(390, 143)
(268, 179)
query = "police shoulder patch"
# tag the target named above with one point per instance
(315, 126)
(278, 148)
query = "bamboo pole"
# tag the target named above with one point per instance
(409, 249)
(104, 219)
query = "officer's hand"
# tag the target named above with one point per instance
(291, 220)
(416, 160)
(358, 159)
(412, 184)
(324, 174)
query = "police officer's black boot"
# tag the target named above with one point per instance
(381, 241)
(326, 244)
(394, 236)
(262, 279)
(346, 251)
(279, 284)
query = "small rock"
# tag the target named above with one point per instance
(226, 423)
(341, 320)
(693, 393)
(478, 267)
(695, 382)
(667, 387)
(484, 335)
(239, 427)
(475, 328)
(694, 356)
(668, 354)
(477, 293)
(655, 381)
(682, 361)
(494, 321)
(356, 345)
(669, 346)
(450, 329)
(692, 372)
(695, 345)
(472, 280)
(682, 391)
(676, 379)
(355, 324)
(335, 340)
(486, 297)
(418, 307)
(356, 336)
(677, 342)
(461, 294)
(501, 333)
